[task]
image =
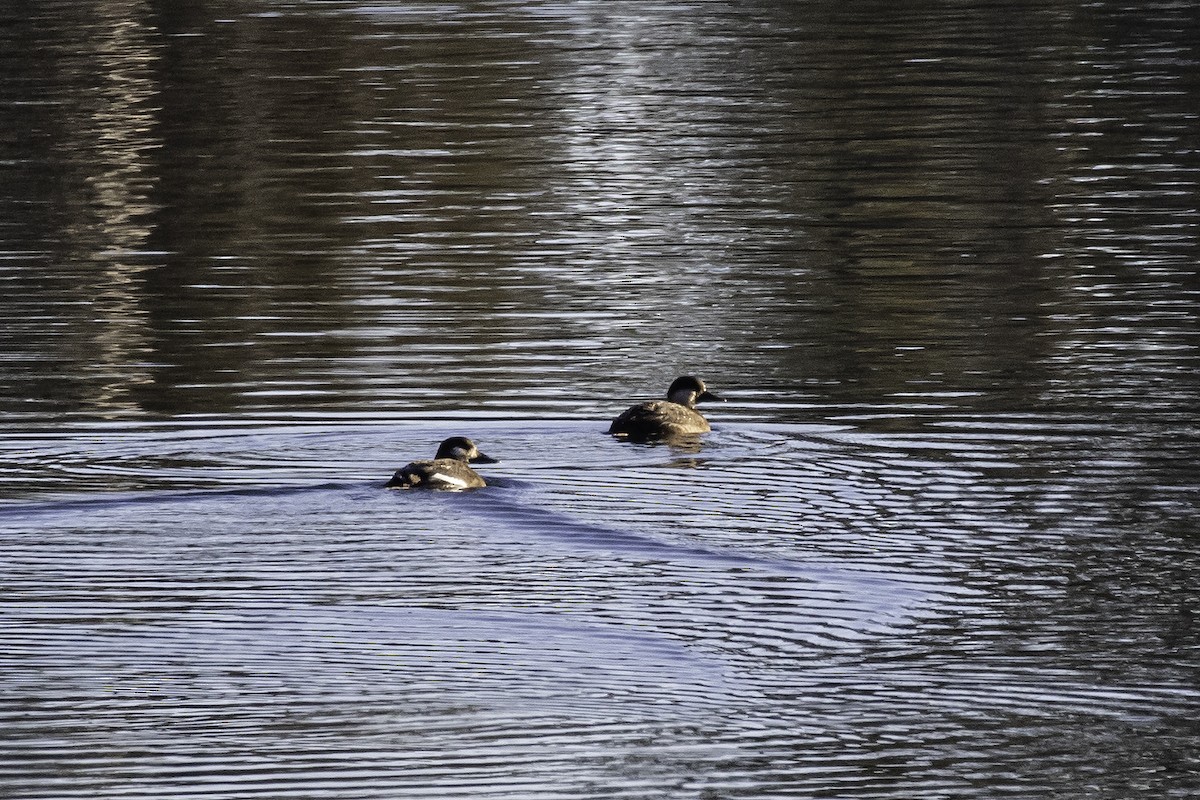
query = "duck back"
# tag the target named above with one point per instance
(657, 419)
(441, 473)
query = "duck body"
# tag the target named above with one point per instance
(449, 469)
(658, 419)
(664, 419)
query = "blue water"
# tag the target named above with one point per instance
(791, 608)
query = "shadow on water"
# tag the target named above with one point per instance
(500, 505)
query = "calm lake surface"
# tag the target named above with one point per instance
(940, 259)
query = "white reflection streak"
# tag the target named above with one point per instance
(607, 135)
(110, 151)
(631, 195)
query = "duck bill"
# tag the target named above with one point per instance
(484, 459)
(708, 396)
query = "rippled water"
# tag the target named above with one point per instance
(952, 613)
(941, 259)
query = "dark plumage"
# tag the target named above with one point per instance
(661, 419)
(448, 470)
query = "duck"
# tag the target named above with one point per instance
(663, 419)
(449, 469)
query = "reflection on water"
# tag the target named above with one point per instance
(415, 208)
(941, 261)
(78, 274)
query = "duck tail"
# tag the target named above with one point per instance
(403, 479)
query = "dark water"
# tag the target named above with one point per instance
(940, 258)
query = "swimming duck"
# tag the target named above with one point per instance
(659, 419)
(448, 470)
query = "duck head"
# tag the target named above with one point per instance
(460, 448)
(689, 390)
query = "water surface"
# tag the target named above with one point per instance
(940, 259)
